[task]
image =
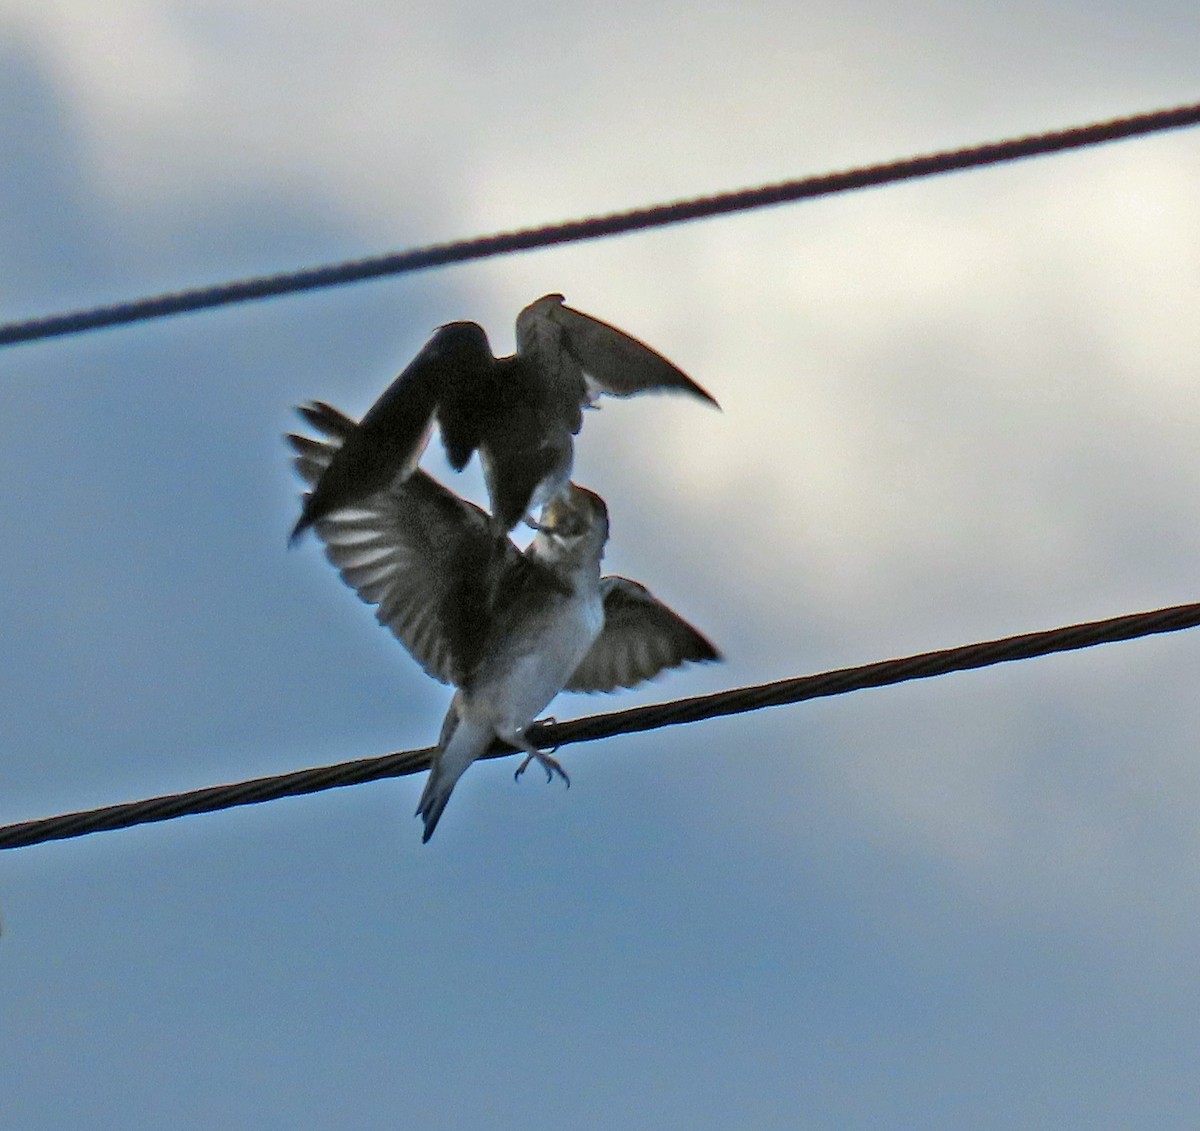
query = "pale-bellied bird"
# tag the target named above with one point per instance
(520, 413)
(508, 628)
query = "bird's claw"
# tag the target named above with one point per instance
(550, 765)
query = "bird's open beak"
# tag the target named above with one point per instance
(560, 515)
(557, 512)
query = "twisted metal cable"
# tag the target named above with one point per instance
(438, 255)
(548, 735)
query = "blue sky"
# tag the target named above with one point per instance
(951, 410)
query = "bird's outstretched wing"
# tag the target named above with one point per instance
(392, 436)
(641, 637)
(426, 558)
(469, 392)
(609, 360)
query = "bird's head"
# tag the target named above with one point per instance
(574, 511)
(575, 521)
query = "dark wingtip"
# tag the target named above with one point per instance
(706, 651)
(326, 419)
(701, 393)
(302, 524)
(306, 519)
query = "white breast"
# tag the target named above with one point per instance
(530, 667)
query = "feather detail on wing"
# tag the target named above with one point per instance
(611, 360)
(641, 637)
(550, 369)
(427, 559)
(389, 441)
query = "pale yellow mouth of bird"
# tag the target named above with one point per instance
(560, 515)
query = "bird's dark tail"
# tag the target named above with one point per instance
(462, 742)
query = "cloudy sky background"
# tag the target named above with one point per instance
(954, 409)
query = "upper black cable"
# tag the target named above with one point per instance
(735, 701)
(437, 255)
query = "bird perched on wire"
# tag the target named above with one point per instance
(519, 412)
(509, 629)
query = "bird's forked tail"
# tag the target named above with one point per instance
(461, 743)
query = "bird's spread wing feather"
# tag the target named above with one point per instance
(388, 442)
(552, 371)
(468, 393)
(641, 637)
(610, 360)
(427, 559)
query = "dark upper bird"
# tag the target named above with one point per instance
(520, 412)
(508, 628)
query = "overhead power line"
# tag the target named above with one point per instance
(551, 735)
(438, 255)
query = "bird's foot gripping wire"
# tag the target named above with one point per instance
(533, 754)
(550, 765)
